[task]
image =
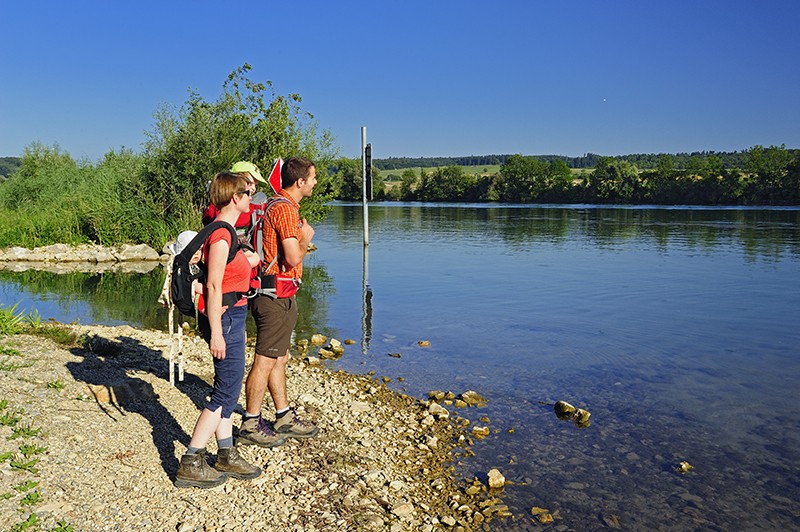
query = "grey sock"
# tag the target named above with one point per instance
(225, 443)
(193, 450)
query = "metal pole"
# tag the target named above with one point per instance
(364, 183)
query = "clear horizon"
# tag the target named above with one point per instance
(441, 79)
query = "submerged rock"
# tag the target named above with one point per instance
(318, 339)
(473, 398)
(480, 432)
(496, 479)
(436, 395)
(563, 408)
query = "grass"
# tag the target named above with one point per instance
(11, 417)
(13, 366)
(27, 431)
(26, 486)
(11, 321)
(24, 461)
(9, 351)
(57, 384)
(30, 449)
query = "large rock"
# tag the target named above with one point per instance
(496, 479)
(137, 252)
(86, 253)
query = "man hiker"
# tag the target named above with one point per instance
(286, 238)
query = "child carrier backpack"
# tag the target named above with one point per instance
(274, 286)
(184, 273)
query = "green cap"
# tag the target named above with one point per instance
(245, 166)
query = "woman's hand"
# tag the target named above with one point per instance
(217, 345)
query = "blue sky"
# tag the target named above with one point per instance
(427, 78)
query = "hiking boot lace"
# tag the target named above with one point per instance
(263, 427)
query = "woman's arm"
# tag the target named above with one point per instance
(217, 259)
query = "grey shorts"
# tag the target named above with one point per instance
(275, 321)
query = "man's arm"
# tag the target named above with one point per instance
(294, 250)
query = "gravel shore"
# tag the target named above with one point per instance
(108, 429)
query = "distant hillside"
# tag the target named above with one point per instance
(9, 165)
(644, 161)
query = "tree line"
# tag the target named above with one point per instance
(643, 161)
(765, 176)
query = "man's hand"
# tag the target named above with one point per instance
(306, 232)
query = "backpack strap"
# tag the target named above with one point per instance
(229, 298)
(268, 284)
(200, 239)
(271, 203)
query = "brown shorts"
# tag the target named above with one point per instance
(275, 321)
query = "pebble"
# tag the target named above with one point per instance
(121, 478)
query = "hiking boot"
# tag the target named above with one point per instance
(289, 425)
(256, 431)
(231, 462)
(194, 472)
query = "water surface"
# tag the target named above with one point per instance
(677, 328)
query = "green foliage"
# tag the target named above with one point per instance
(57, 384)
(149, 198)
(346, 173)
(9, 418)
(8, 165)
(447, 184)
(27, 431)
(30, 499)
(63, 526)
(57, 333)
(250, 122)
(27, 465)
(25, 486)
(30, 449)
(13, 366)
(614, 181)
(10, 320)
(32, 522)
(11, 352)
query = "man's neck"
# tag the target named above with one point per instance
(294, 192)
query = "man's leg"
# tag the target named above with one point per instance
(277, 383)
(254, 429)
(258, 380)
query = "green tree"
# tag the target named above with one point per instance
(614, 181)
(444, 184)
(772, 180)
(249, 121)
(408, 184)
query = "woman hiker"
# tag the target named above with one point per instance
(223, 328)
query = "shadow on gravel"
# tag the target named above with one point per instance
(109, 368)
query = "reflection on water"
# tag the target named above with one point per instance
(676, 328)
(90, 297)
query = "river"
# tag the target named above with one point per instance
(676, 328)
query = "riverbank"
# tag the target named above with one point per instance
(109, 430)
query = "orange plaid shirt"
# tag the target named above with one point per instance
(282, 222)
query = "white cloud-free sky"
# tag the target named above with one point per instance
(427, 78)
